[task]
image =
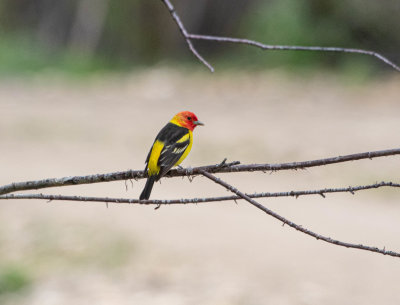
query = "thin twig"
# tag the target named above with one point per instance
(294, 48)
(296, 226)
(185, 34)
(188, 36)
(232, 167)
(322, 192)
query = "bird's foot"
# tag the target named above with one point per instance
(189, 173)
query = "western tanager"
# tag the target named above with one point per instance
(170, 148)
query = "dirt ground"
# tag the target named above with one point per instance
(208, 254)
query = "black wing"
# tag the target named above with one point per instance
(172, 150)
(170, 154)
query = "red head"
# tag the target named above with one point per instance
(186, 119)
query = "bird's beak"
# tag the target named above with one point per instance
(198, 123)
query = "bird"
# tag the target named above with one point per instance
(171, 146)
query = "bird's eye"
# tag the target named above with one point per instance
(189, 118)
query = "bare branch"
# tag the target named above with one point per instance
(294, 48)
(300, 165)
(321, 192)
(296, 226)
(189, 36)
(97, 178)
(227, 168)
(185, 34)
(71, 180)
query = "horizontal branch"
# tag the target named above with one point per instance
(232, 167)
(321, 192)
(296, 226)
(293, 48)
(303, 164)
(97, 178)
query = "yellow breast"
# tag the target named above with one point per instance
(153, 168)
(187, 151)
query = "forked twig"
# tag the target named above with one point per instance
(185, 34)
(188, 36)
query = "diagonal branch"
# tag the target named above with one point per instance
(232, 167)
(321, 192)
(185, 34)
(296, 226)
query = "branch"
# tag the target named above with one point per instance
(189, 36)
(97, 178)
(226, 168)
(185, 34)
(303, 164)
(294, 48)
(321, 192)
(296, 226)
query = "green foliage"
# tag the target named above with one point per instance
(13, 280)
(292, 22)
(20, 55)
(134, 33)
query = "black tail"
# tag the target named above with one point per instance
(147, 188)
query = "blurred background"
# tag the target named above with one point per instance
(91, 35)
(86, 85)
